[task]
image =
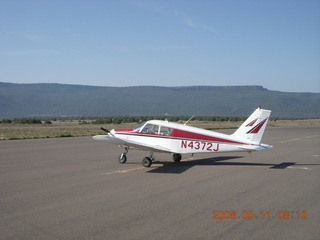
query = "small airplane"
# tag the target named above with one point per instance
(177, 139)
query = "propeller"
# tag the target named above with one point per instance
(106, 130)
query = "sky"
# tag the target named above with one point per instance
(274, 43)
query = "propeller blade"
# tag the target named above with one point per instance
(106, 130)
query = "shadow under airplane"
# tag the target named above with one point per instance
(174, 168)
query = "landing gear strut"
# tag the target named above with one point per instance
(146, 162)
(123, 156)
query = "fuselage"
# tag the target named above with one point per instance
(171, 137)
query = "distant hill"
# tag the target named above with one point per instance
(57, 100)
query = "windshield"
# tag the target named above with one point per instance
(138, 127)
(152, 129)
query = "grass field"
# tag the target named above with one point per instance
(73, 128)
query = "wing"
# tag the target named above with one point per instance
(130, 143)
(144, 146)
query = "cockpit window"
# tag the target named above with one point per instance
(165, 131)
(138, 127)
(151, 128)
(156, 129)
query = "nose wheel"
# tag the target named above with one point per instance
(123, 156)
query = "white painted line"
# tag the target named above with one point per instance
(123, 171)
(296, 139)
(290, 140)
(297, 167)
(312, 136)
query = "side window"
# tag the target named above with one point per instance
(156, 129)
(151, 128)
(165, 131)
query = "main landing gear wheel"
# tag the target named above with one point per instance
(122, 158)
(146, 162)
(176, 157)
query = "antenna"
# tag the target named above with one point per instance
(188, 120)
(166, 119)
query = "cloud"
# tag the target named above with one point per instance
(30, 35)
(165, 48)
(191, 23)
(32, 52)
(147, 48)
(183, 18)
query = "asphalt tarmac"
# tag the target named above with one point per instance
(74, 188)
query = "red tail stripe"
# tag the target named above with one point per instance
(252, 123)
(257, 128)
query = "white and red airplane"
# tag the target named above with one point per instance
(164, 136)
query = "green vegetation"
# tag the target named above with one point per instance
(5, 121)
(28, 121)
(25, 121)
(132, 119)
(120, 120)
(65, 135)
(127, 119)
(76, 128)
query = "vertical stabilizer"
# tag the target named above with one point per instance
(253, 128)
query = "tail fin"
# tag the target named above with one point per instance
(253, 128)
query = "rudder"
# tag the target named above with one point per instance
(253, 128)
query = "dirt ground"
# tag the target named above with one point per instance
(74, 128)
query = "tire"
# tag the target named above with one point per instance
(176, 157)
(122, 158)
(146, 162)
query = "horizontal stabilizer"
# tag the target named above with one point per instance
(250, 148)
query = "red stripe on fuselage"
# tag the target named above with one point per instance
(124, 130)
(179, 134)
(196, 136)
